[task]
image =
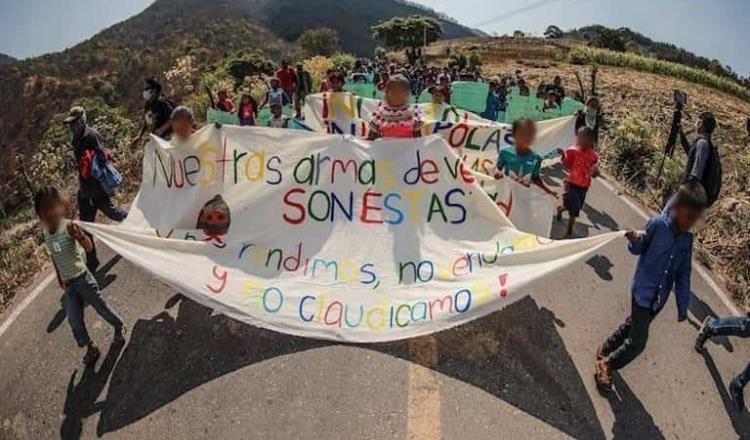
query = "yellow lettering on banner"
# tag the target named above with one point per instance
(385, 179)
(414, 197)
(207, 155)
(258, 160)
(338, 104)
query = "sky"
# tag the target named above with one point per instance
(712, 28)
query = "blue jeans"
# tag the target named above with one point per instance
(81, 291)
(733, 326)
(87, 209)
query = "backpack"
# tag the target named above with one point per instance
(106, 173)
(712, 176)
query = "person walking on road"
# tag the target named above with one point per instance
(730, 326)
(92, 196)
(665, 251)
(66, 243)
(703, 161)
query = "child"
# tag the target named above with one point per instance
(520, 162)
(395, 117)
(336, 80)
(66, 243)
(580, 160)
(439, 95)
(183, 123)
(276, 95)
(730, 326)
(248, 110)
(278, 119)
(665, 252)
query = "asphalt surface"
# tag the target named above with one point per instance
(525, 372)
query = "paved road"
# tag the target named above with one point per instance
(524, 372)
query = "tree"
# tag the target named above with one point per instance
(319, 41)
(400, 33)
(553, 32)
(247, 64)
(606, 38)
(518, 34)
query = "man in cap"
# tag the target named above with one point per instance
(87, 144)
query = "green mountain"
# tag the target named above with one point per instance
(113, 63)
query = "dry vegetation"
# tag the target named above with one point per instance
(646, 99)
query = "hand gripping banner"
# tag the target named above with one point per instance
(329, 236)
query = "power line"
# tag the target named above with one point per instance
(517, 11)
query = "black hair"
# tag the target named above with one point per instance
(584, 130)
(709, 121)
(154, 85)
(48, 194)
(520, 122)
(692, 194)
(338, 76)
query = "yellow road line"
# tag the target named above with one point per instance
(424, 421)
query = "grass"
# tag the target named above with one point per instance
(584, 55)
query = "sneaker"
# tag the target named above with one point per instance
(92, 354)
(736, 393)
(703, 334)
(121, 332)
(603, 376)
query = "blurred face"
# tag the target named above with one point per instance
(222, 95)
(182, 127)
(524, 137)
(685, 217)
(336, 84)
(584, 140)
(438, 97)
(51, 214)
(245, 100)
(397, 94)
(274, 83)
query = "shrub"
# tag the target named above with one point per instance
(318, 66)
(636, 62)
(343, 59)
(630, 151)
(320, 41)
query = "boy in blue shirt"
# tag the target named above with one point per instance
(665, 251)
(519, 161)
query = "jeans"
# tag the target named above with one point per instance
(87, 208)
(629, 340)
(732, 326)
(81, 291)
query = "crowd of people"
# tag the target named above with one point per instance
(664, 248)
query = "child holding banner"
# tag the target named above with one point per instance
(580, 160)
(665, 251)
(519, 161)
(394, 117)
(67, 244)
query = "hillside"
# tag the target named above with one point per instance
(640, 44)
(638, 110)
(6, 59)
(113, 63)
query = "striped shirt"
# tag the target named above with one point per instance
(68, 254)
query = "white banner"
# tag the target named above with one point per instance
(475, 139)
(329, 236)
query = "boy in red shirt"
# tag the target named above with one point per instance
(580, 160)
